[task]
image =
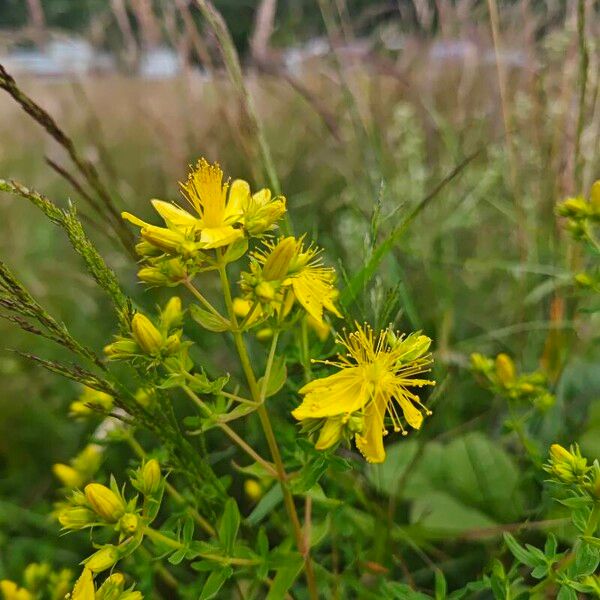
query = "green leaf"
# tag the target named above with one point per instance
(188, 530)
(566, 593)
(519, 552)
(319, 531)
(592, 541)
(285, 577)
(587, 559)
(208, 320)
(441, 588)
(200, 383)
(309, 475)
(177, 556)
(277, 377)
(230, 523)
(215, 582)
(551, 546)
(385, 477)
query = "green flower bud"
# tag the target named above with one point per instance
(129, 523)
(265, 291)
(330, 433)
(104, 502)
(121, 349)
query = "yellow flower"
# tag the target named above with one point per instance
(375, 375)
(68, 476)
(82, 407)
(284, 270)
(218, 211)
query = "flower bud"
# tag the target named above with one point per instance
(253, 489)
(104, 559)
(172, 314)
(264, 334)
(330, 434)
(567, 466)
(481, 363)
(68, 476)
(144, 332)
(505, 369)
(574, 208)
(144, 248)
(151, 477)
(584, 280)
(173, 343)
(76, 517)
(121, 349)
(128, 523)
(112, 588)
(104, 502)
(163, 238)
(277, 264)
(152, 276)
(264, 291)
(144, 397)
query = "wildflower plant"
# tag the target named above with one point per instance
(173, 505)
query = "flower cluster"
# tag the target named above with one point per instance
(371, 390)
(218, 214)
(283, 272)
(500, 376)
(148, 340)
(583, 220)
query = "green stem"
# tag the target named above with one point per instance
(196, 292)
(230, 432)
(265, 422)
(161, 538)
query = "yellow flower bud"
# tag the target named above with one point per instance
(584, 280)
(112, 588)
(144, 397)
(172, 314)
(265, 291)
(76, 517)
(128, 523)
(574, 208)
(567, 466)
(277, 264)
(68, 476)
(330, 433)
(163, 238)
(144, 248)
(173, 343)
(148, 338)
(35, 575)
(481, 363)
(264, 334)
(104, 502)
(253, 490)
(151, 477)
(104, 559)
(505, 369)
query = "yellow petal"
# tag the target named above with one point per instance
(84, 587)
(216, 237)
(239, 196)
(261, 197)
(135, 220)
(370, 441)
(174, 215)
(413, 416)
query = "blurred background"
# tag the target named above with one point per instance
(478, 115)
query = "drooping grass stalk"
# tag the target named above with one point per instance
(234, 70)
(506, 119)
(105, 206)
(258, 395)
